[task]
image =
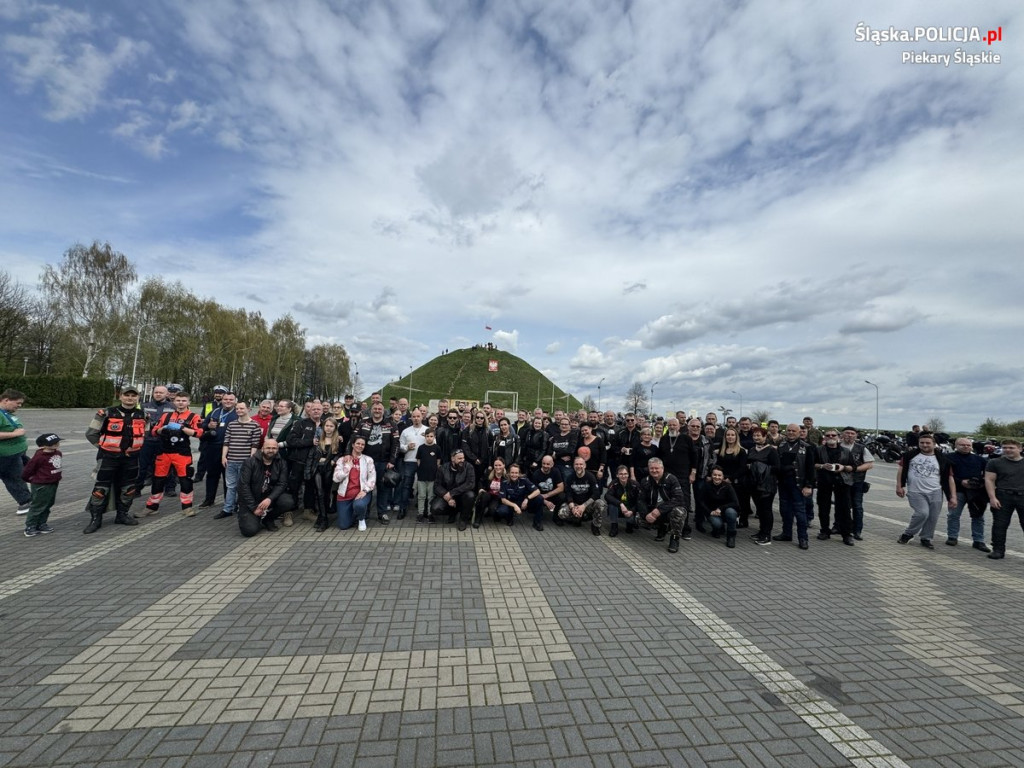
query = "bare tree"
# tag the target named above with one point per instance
(589, 404)
(760, 416)
(935, 424)
(636, 398)
(91, 291)
(15, 311)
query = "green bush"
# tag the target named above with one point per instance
(61, 391)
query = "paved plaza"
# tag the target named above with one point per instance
(179, 643)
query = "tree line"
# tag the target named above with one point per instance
(93, 316)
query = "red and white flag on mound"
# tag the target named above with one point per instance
(492, 366)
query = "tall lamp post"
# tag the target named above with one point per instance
(741, 401)
(234, 359)
(876, 403)
(599, 392)
(138, 340)
(652, 396)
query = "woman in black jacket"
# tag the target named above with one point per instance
(762, 480)
(624, 500)
(476, 443)
(536, 444)
(721, 502)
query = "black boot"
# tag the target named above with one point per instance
(125, 518)
(673, 544)
(95, 521)
(730, 540)
(321, 523)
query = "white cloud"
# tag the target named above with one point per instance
(507, 340)
(696, 194)
(73, 71)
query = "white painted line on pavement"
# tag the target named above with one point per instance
(57, 567)
(848, 738)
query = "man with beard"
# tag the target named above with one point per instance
(382, 443)
(583, 498)
(678, 453)
(862, 461)
(703, 453)
(627, 441)
(662, 496)
(835, 467)
(552, 489)
(455, 490)
(263, 490)
(303, 434)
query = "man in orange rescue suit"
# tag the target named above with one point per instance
(175, 453)
(118, 432)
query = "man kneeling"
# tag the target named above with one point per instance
(583, 494)
(262, 490)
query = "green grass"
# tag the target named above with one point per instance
(462, 375)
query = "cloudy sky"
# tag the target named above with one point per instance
(720, 197)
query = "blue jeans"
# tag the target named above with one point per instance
(857, 505)
(792, 506)
(385, 493)
(352, 510)
(726, 520)
(953, 521)
(405, 489)
(231, 473)
(10, 473)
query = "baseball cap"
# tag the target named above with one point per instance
(48, 439)
(129, 388)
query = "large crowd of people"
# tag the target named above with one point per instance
(345, 464)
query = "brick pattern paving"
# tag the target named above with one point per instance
(178, 643)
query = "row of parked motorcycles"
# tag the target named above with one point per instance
(890, 447)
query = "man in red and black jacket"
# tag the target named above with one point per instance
(175, 453)
(118, 433)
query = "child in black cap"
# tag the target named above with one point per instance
(44, 473)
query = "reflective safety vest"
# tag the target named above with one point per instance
(116, 421)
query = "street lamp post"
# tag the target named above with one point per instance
(741, 401)
(138, 340)
(599, 392)
(876, 404)
(652, 396)
(24, 369)
(234, 358)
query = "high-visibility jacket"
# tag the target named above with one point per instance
(176, 441)
(117, 431)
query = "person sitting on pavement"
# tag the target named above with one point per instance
(517, 495)
(262, 490)
(583, 498)
(722, 504)
(454, 490)
(623, 501)
(663, 497)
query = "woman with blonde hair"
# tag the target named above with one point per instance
(319, 469)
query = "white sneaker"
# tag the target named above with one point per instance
(23, 511)
(362, 525)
